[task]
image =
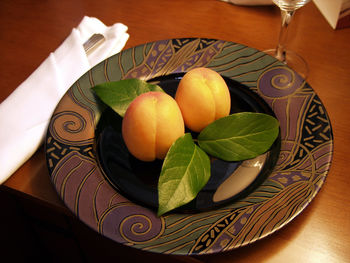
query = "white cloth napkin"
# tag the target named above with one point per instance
(250, 2)
(25, 114)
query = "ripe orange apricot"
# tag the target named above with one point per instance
(152, 122)
(203, 97)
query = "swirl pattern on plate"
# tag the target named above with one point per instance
(304, 161)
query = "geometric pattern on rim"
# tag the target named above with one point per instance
(306, 151)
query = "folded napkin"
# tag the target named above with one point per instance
(250, 2)
(25, 114)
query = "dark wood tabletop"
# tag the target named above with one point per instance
(30, 30)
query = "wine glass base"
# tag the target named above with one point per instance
(293, 61)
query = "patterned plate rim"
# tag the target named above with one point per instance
(304, 162)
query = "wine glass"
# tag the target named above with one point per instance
(290, 58)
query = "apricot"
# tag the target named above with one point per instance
(151, 124)
(203, 97)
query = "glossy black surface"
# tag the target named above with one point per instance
(138, 180)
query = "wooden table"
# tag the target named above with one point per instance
(30, 30)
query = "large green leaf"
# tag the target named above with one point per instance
(185, 171)
(239, 136)
(119, 94)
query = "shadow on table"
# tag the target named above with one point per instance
(33, 231)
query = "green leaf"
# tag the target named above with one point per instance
(185, 171)
(119, 94)
(239, 136)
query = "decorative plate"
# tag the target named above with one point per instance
(306, 148)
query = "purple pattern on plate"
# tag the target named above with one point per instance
(201, 58)
(139, 226)
(159, 54)
(279, 82)
(288, 178)
(163, 58)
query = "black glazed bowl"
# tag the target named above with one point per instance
(137, 180)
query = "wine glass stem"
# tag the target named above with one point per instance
(281, 47)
